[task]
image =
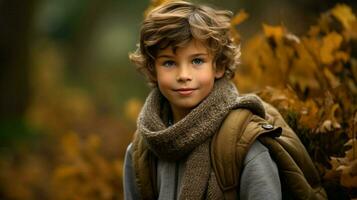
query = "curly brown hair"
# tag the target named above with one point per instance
(175, 24)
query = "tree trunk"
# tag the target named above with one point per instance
(16, 26)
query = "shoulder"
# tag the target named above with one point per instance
(129, 148)
(260, 176)
(128, 156)
(257, 149)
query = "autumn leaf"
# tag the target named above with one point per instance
(344, 14)
(70, 144)
(132, 108)
(93, 142)
(236, 20)
(332, 79)
(330, 44)
(337, 162)
(239, 18)
(351, 86)
(314, 31)
(154, 4)
(349, 174)
(304, 69)
(63, 172)
(352, 34)
(309, 114)
(235, 35)
(275, 32)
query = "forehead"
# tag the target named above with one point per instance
(192, 47)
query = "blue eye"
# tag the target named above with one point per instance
(197, 61)
(168, 63)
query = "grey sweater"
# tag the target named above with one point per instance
(259, 179)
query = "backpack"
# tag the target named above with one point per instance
(242, 126)
(298, 175)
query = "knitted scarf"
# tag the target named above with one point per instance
(190, 137)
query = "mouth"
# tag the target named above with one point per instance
(185, 91)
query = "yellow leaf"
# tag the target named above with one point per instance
(304, 68)
(250, 75)
(284, 53)
(344, 14)
(352, 33)
(309, 112)
(314, 31)
(239, 18)
(312, 46)
(332, 79)
(349, 175)
(336, 162)
(235, 35)
(325, 21)
(343, 56)
(93, 142)
(330, 44)
(132, 108)
(64, 172)
(275, 32)
(325, 127)
(71, 144)
(154, 4)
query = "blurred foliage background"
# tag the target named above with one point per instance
(70, 97)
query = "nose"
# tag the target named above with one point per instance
(184, 74)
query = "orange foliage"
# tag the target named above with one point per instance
(84, 173)
(312, 80)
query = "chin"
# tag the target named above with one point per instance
(188, 105)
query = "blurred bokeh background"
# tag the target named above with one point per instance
(70, 96)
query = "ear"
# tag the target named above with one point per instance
(219, 73)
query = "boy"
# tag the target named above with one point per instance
(188, 56)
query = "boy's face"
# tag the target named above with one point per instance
(187, 76)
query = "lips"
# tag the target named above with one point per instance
(185, 91)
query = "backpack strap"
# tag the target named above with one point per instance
(230, 146)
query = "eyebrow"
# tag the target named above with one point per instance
(192, 55)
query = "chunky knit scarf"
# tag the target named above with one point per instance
(190, 137)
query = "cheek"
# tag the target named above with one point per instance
(207, 80)
(207, 76)
(163, 80)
